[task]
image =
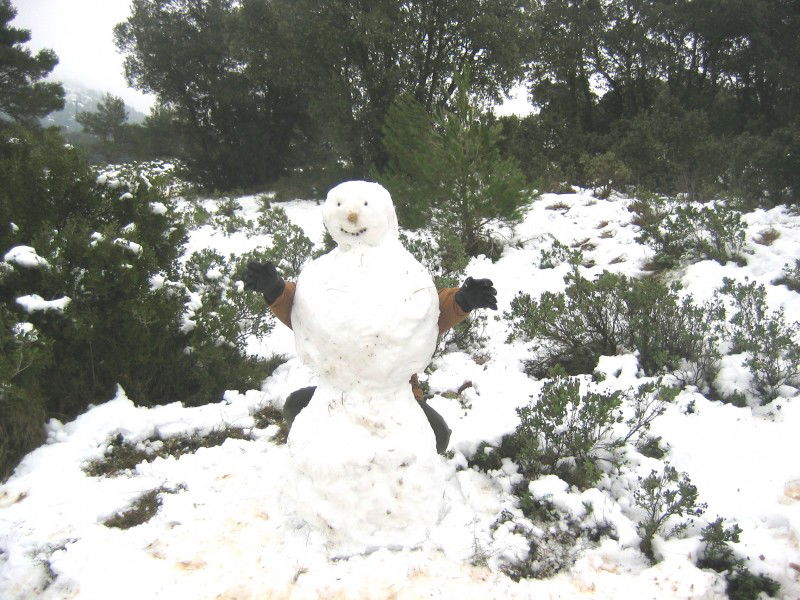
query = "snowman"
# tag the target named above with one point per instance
(366, 318)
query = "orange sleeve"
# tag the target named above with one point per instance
(282, 307)
(450, 313)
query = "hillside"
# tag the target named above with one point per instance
(80, 98)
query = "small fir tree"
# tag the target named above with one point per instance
(446, 170)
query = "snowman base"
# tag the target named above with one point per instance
(366, 471)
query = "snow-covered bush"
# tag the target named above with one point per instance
(559, 254)
(290, 248)
(664, 497)
(614, 314)
(772, 345)
(690, 232)
(791, 276)
(569, 433)
(717, 554)
(84, 261)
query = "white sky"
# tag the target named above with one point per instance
(80, 33)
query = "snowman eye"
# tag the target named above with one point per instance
(365, 202)
(338, 204)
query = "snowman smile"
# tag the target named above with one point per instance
(353, 233)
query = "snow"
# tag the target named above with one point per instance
(34, 302)
(230, 526)
(25, 256)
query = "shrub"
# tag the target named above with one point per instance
(719, 556)
(690, 233)
(604, 172)
(559, 254)
(791, 276)
(111, 246)
(663, 497)
(576, 327)
(24, 359)
(567, 433)
(555, 542)
(290, 248)
(614, 314)
(771, 344)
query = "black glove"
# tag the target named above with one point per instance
(264, 278)
(476, 293)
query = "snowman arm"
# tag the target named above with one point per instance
(450, 313)
(282, 307)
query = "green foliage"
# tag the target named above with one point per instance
(24, 360)
(686, 232)
(791, 276)
(113, 251)
(614, 314)
(445, 171)
(23, 96)
(605, 172)
(664, 497)
(441, 254)
(772, 345)
(719, 556)
(414, 48)
(568, 433)
(107, 120)
(239, 87)
(290, 249)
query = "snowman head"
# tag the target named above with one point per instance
(359, 213)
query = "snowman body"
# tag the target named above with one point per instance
(365, 316)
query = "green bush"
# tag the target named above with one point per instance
(615, 314)
(290, 249)
(568, 433)
(719, 556)
(24, 359)
(605, 172)
(682, 233)
(113, 251)
(791, 276)
(663, 497)
(772, 345)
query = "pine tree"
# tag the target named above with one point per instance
(446, 169)
(22, 96)
(108, 121)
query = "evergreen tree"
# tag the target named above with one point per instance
(232, 73)
(382, 49)
(23, 97)
(446, 169)
(108, 121)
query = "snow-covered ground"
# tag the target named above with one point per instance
(226, 527)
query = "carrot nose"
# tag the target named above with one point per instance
(352, 217)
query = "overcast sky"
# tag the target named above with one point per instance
(80, 33)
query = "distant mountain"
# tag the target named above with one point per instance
(80, 98)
